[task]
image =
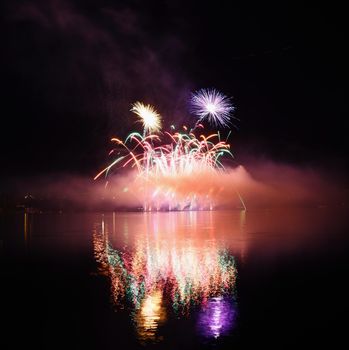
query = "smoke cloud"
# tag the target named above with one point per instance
(111, 58)
(262, 186)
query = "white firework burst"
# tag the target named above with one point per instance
(148, 116)
(212, 105)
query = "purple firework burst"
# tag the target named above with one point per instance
(213, 105)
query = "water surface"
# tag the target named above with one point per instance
(173, 280)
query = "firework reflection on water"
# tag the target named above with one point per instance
(169, 267)
(217, 318)
(150, 316)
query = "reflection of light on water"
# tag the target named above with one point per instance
(25, 227)
(217, 318)
(103, 224)
(150, 315)
(168, 262)
(191, 274)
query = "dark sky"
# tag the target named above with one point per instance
(71, 69)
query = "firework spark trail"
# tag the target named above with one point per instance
(185, 156)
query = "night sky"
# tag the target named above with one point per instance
(71, 69)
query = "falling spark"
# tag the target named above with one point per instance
(148, 116)
(212, 105)
(184, 157)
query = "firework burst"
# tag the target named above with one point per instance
(170, 165)
(212, 105)
(163, 167)
(148, 116)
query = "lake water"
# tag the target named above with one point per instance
(174, 280)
